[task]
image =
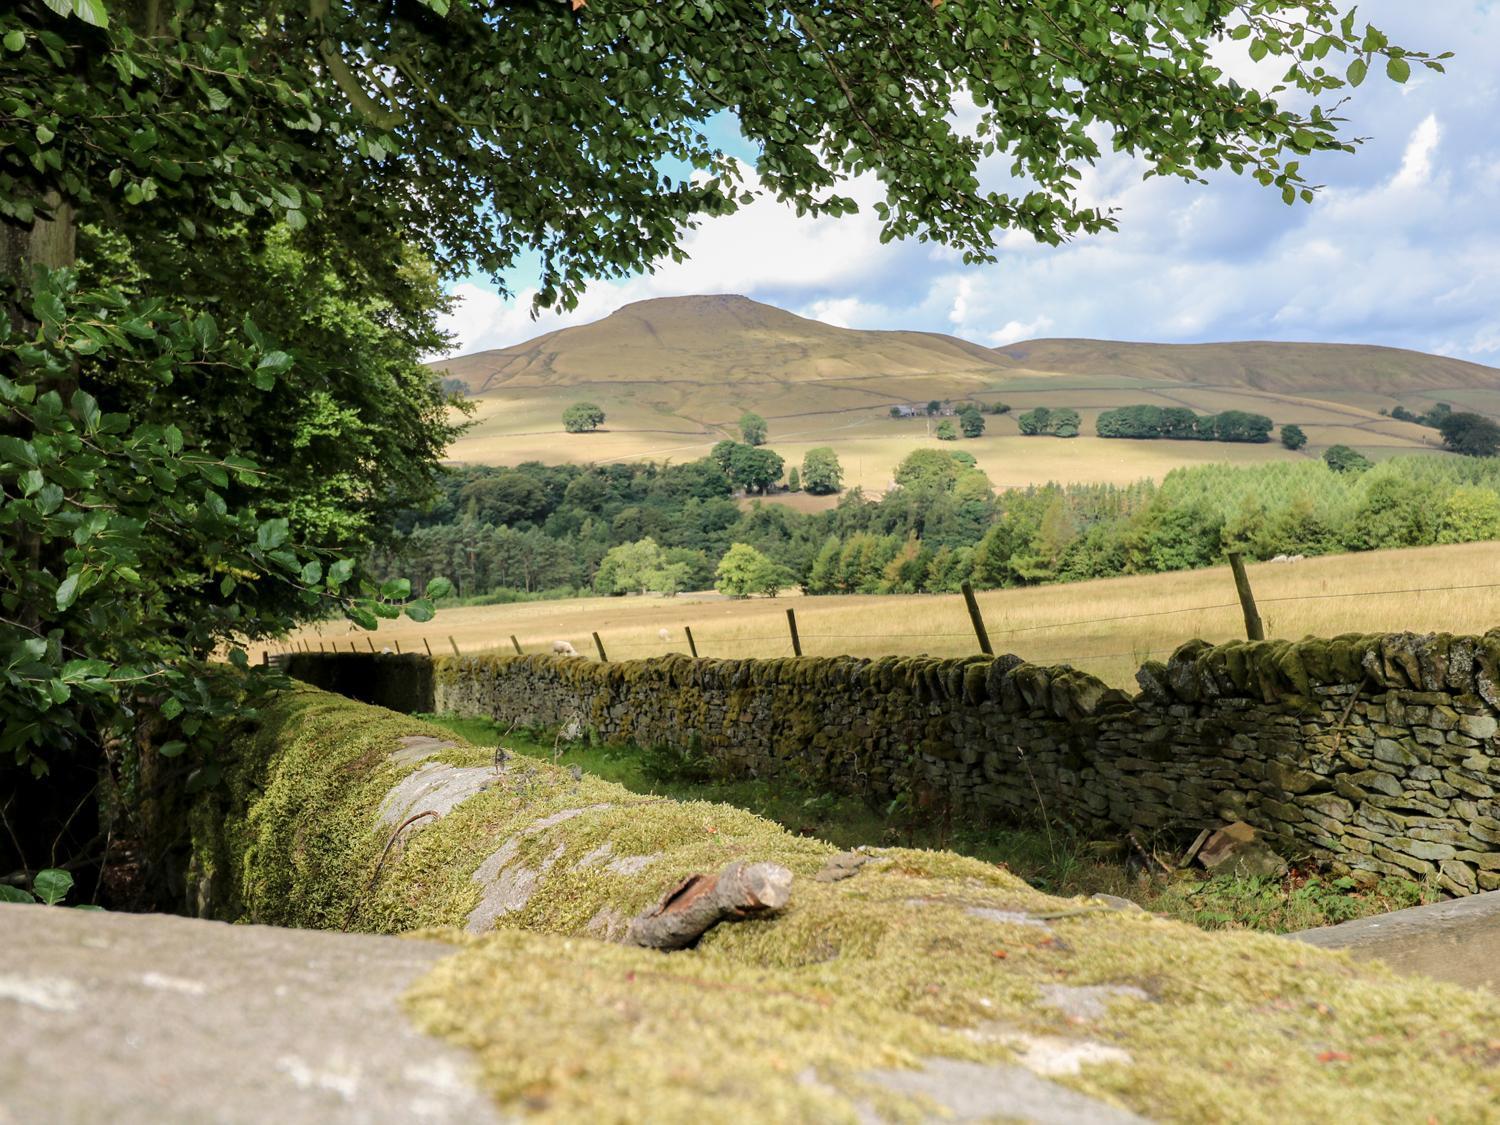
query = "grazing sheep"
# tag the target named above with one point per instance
(563, 648)
(664, 634)
(1296, 558)
(1282, 559)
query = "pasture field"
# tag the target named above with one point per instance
(1106, 627)
(870, 443)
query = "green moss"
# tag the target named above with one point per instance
(781, 1019)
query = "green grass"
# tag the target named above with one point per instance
(1050, 858)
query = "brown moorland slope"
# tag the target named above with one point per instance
(719, 338)
(1279, 367)
(726, 338)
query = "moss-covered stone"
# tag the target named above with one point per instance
(919, 956)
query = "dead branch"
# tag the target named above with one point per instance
(700, 902)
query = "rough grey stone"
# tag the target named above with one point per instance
(966, 1091)
(139, 1019)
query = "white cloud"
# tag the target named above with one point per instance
(1416, 162)
(1013, 332)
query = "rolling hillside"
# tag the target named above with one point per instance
(673, 375)
(1303, 368)
(720, 339)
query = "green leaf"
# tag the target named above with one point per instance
(75, 671)
(52, 885)
(420, 610)
(312, 573)
(1357, 70)
(362, 617)
(171, 707)
(272, 534)
(14, 894)
(397, 589)
(44, 134)
(15, 40)
(274, 362)
(439, 588)
(1397, 69)
(67, 591)
(91, 11)
(171, 749)
(340, 572)
(87, 409)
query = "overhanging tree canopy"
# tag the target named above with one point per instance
(470, 133)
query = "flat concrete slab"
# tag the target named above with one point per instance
(1457, 940)
(127, 1018)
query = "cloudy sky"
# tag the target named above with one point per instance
(1401, 248)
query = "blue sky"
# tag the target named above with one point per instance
(1401, 248)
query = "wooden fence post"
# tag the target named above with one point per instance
(454, 643)
(371, 643)
(397, 643)
(428, 647)
(1254, 630)
(692, 645)
(977, 620)
(515, 644)
(352, 648)
(600, 646)
(791, 622)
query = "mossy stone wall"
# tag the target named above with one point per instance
(1376, 754)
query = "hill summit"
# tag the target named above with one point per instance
(728, 338)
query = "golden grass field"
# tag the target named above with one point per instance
(870, 443)
(1106, 627)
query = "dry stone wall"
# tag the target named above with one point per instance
(1375, 754)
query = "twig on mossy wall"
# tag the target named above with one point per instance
(700, 902)
(1338, 731)
(370, 886)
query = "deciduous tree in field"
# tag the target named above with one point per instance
(753, 428)
(971, 421)
(1292, 436)
(821, 472)
(582, 418)
(1471, 434)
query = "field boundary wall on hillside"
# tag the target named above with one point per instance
(1375, 754)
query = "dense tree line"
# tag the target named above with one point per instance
(1178, 422)
(538, 528)
(1052, 421)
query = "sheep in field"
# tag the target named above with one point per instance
(563, 648)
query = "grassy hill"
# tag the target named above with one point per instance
(1313, 369)
(674, 374)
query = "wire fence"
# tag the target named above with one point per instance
(793, 641)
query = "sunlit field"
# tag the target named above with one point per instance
(682, 422)
(1106, 627)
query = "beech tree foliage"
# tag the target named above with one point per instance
(193, 195)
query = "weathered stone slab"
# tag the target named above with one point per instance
(1456, 941)
(130, 1018)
